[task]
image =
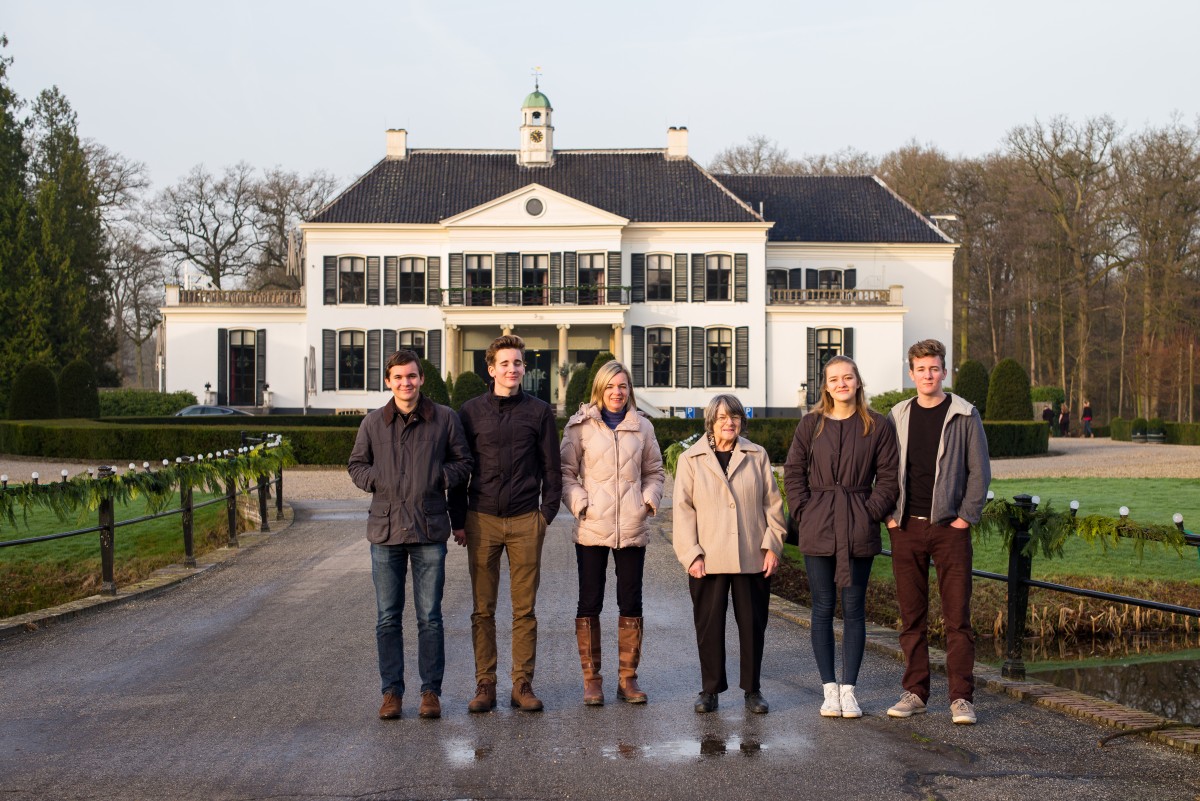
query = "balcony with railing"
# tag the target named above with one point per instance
(891, 296)
(540, 295)
(234, 297)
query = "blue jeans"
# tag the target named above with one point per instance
(820, 571)
(389, 567)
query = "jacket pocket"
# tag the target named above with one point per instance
(379, 522)
(434, 506)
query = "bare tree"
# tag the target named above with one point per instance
(137, 292)
(283, 199)
(120, 183)
(847, 161)
(759, 156)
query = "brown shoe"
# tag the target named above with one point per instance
(629, 643)
(431, 705)
(391, 706)
(587, 632)
(485, 697)
(524, 699)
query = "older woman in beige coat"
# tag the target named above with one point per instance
(612, 481)
(728, 533)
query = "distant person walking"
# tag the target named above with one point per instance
(1086, 417)
(612, 472)
(1049, 417)
(1064, 420)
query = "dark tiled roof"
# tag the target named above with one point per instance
(430, 186)
(828, 208)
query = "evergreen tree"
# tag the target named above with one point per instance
(971, 384)
(34, 394)
(78, 392)
(1008, 392)
(577, 389)
(469, 385)
(434, 387)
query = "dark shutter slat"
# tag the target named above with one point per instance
(372, 280)
(796, 278)
(328, 360)
(556, 278)
(500, 279)
(570, 278)
(741, 356)
(457, 280)
(433, 347)
(374, 359)
(614, 276)
(389, 345)
(814, 369)
(391, 280)
(681, 357)
(222, 366)
(637, 269)
(698, 264)
(514, 279)
(848, 342)
(681, 278)
(811, 279)
(637, 354)
(850, 278)
(260, 365)
(698, 377)
(433, 281)
(331, 280)
(741, 277)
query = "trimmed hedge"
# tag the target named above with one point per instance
(1008, 393)
(244, 422)
(34, 394)
(1016, 438)
(971, 384)
(1052, 395)
(79, 395)
(1183, 433)
(143, 402)
(884, 401)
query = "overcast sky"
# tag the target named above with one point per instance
(313, 85)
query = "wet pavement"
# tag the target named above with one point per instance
(259, 680)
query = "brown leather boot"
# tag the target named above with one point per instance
(587, 632)
(523, 697)
(629, 642)
(392, 705)
(485, 697)
(431, 705)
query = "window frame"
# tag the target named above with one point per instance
(539, 294)
(729, 365)
(594, 296)
(822, 272)
(651, 365)
(363, 280)
(342, 332)
(472, 294)
(713, 277)
(828, 346)
(417, 286)
(666, 292)
(412, 333)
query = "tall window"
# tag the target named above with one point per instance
(829, 279)
(411, 340)
(479, 280)
(535, 278)
(352, 360)
(352, 279)
(718, 278)
(591, 278)
(658, 277)
(718, 357)
(658, 350)
(412, 280)
(829, 344)
(776, 279)
(241, 368)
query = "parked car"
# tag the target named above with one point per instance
(198, 409)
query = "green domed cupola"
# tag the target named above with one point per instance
(536, 99)
(537, 134)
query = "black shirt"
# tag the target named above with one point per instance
(920, 464)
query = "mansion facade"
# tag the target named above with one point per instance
(701, 283)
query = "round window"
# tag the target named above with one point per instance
(534, 207)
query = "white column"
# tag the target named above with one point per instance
(617, 341)
(563, 366)
(453, 350)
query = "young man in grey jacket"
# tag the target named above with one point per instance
(944, 476)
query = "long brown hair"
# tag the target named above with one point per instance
(825, 404)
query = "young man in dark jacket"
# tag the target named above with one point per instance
(944, 476)
(513, 495)
(407, 454)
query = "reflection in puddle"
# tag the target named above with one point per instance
(1169, 688)
(461, 753)
(708, 746)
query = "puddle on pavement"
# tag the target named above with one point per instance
(689, 749)
(462, 754)
(1169, 688)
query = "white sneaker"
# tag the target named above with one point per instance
(832, 708)
(850, 707)
(962, 711)
(909, 704)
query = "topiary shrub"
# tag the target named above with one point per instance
(884, 401)
(1139, 427)
(34, 394)
(602, 358)
(578, 389)
(1155, 425)
(469, 385)
(143, 402)
(1052, 395)
(972, 384)
(1008, 392)
(434, 387)
(79, 391)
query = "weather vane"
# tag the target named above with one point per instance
(537, 74)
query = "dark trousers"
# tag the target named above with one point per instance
(950, 548)
(592, 561)
(820, 571)
(710, 599)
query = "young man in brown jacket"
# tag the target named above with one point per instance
(407, 454)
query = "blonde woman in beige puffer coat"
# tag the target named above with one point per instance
(612, 482)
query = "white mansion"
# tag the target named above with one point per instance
(701, 283)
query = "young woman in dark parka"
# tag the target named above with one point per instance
(841, 477)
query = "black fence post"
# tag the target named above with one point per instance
(108, 582)
(263, 483)
(231, 510)
(1020, 568)
(279, 495)
(185, 505)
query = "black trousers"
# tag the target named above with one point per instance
(592, 561)
(710, 599)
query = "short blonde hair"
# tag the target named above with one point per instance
(605, 374)
(732, 406)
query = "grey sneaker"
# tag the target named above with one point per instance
(909, 704)
(962, 711)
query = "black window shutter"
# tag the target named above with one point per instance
(389, 345)
(814, 369)
(848, 342)
(331, 277)
(698, 264)
(433, 348)
(796, 278)
(222, 366)
(456, 279)
(637, 354)
(681, 277)
(374, 359)
(741, 356)
(556, 278)
(433, 281)
(849, 278)
(810, 279)
(681, 357)
(514, 279)
(391, 270)
(500, 278)
(741, 277)
(697, 336)
(372, 280)
(614, 276)
(570, 278)
(637, 269)
(260, 365)
(328, 360)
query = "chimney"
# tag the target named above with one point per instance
(397, 143)
(677, 143)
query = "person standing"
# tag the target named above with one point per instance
(612, 473)
(407, 454)
(841, 480)
(512, 496)
(728, 533)
(1064, 420)
(944, 475)
(1086, 417)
